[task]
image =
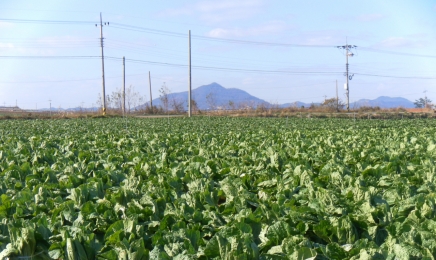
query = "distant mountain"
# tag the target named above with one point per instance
(222, 96)
(219, 95)
(383, 102)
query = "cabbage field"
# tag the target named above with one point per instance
(217, 188)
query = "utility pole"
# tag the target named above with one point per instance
(50, 107)
(189, 65)
(151, 98)
(325, 98)
(425, 98)
(337, 99)
(124, 85)
(347, 48)
(102, 64)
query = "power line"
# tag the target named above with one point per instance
(390, 76)
(45, 21)
(115, 44)
(46, 57)
(226, 69)
(199, 37)
(397, 53)
(42, 43)
(208, 67)
(70, 80)
(260, 43)
(169, 33)
(147, 30)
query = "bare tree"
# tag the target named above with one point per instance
(141, 100)
(164, 92)
(108, 102)
(133, 98)
(194, 106)
(231, 105)
(99, 101)
(261, 107)
(211, 100)
(176, 105)
(333, 104)
(115, 100)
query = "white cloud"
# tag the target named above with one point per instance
(370, 17)
(268, 28)
(218, 11)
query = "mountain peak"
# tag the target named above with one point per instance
(214, 93)
(384, 102)
(211, 86)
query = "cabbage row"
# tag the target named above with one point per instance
(219, 188)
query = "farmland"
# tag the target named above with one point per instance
(218, 188)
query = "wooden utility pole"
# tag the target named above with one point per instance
(337, 99)
(102, 66)
(124, 85)
(151, 98)
(189, 65)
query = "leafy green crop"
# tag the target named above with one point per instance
(220, 188)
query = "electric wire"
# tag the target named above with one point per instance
(397, 53)
(214, 68)
(119, 45)
(169, 33)
(45, 21)
(47, 57)
(227, 69)
(391, 76)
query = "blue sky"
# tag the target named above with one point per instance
(297, 60)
